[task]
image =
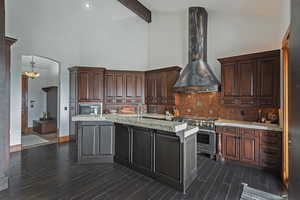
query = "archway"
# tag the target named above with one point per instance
(40, 101)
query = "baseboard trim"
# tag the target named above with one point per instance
(15, 148)
(3, 183)
(64, 139)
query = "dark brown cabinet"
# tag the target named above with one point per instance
(134, 87)
(230, 146)
(90, 84)
(269, 81)
(251, 80)
(253, 147)
(124, 87)
(249, 146)
(159, 86)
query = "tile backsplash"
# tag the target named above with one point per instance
(209, 105)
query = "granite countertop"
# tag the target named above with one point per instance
(133, 120)
(245, 124)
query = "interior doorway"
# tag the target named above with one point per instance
(40, 101)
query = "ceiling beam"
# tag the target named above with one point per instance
(138, 9)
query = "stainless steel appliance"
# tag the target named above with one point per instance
(206, 136)
(90, 108)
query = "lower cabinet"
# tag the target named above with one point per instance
(249, 146)
(167, 156)
(122, 141)
(230, 146)
(142, 141)
(253, 147)
(160, 155)
(95, 142)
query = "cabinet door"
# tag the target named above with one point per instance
(73, 86)
(122, 144)
(249, 147)
(167, 157)
(72, 124)
(140, 84)
(106, 140)
(119, 88)
(98, 85)
(247, 79)
(87, 146)
(130, 85)
(151, 88)
(110, 90)
(142, 149)
(269, 81)
(84, 86)
(229, 80)
(171, 78)
(161, 88)
(230, 146)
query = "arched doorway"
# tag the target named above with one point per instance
(40, 101)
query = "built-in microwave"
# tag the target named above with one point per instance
(87, 108)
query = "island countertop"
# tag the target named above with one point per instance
(146, 121)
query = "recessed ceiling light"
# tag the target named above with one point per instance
(87, 4)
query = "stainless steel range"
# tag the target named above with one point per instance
(206, 137)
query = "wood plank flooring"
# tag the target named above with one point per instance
(49, 172)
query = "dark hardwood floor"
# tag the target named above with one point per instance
(49, 172)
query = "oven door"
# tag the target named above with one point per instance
(206, 142)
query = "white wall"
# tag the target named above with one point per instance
(228, 35)
(63, 31)
(285, 16)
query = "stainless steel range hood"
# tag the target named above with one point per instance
(197, 75)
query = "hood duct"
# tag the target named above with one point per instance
(197, 75)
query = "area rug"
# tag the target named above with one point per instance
(254, 194)
(29, 140)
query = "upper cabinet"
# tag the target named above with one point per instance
(90, 84)
(159, 86)
(86, 84)
(251, 80)
(124, 87)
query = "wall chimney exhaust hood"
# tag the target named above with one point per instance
(197, 75)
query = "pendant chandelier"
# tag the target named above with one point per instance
(32, 74)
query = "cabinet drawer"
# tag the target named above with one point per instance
(227, 129)
(271, 134)
(109, 100)
(269, 138)
(269, 162)
(248, 102)
(119, 101)
(270, 152)
(229, 101)
(266, 102)
(248, 133)
(271, 141)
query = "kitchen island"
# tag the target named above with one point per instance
(159, 148)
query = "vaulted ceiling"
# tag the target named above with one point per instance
(241, 7)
